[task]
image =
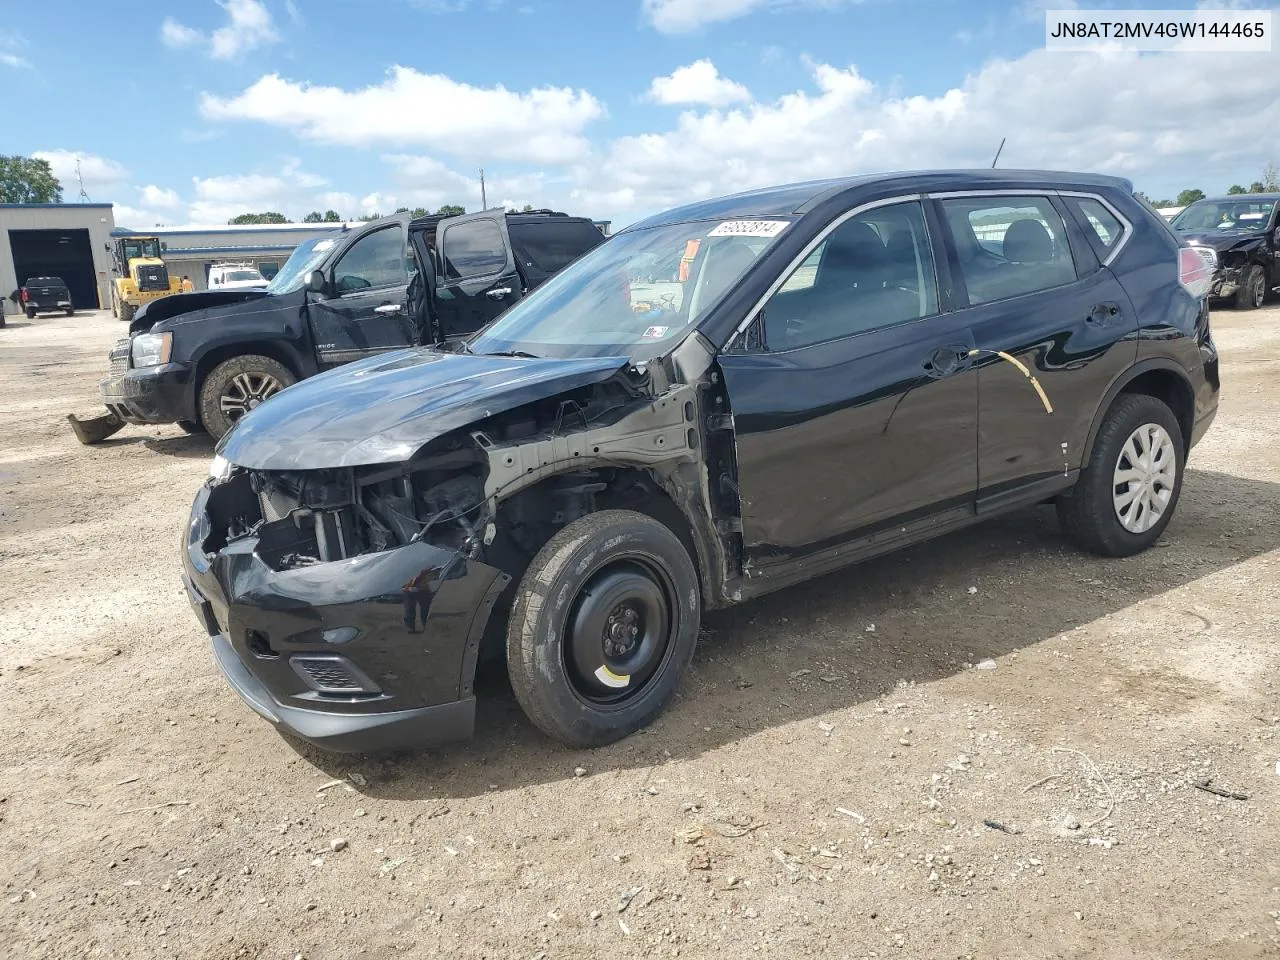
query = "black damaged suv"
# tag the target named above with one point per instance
(815, 374)
(1243, 233)
(205, 359)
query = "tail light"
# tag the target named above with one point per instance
(26, 294)
(1194, 272)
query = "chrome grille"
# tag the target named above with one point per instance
(119, 357)
(119, 365)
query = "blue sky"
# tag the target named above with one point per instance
(610, 108)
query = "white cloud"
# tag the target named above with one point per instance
(541, 125)
(295, 14)
(685, 16)
(154, 196)
(100, 175)
(343, 203)
(699, 82)
(218, 199)
(249, 26)
(10, 43)
(375, 202)
(136, 218)
(177, 35)
(426, 182)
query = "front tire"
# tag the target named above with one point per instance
(236, 386)
(603, 627)
(1129, 490)
(1253, 289)
(190, 426)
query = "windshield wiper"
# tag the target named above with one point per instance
(522, 354)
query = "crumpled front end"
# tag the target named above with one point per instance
(345, 606)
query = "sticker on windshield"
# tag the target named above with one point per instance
(749, 228)
(655, 333)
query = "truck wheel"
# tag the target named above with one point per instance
(1129, 489)
(31, 313)
(71, 311)
(1253, 289)
(239, 385)
(126, 312)
(603, 627)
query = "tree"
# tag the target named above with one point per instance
(313, 217)
(1188, 197)
(332, 216)
(28, 180)
(1234, 190)
(269, 217)
(451, 210)
(1271, 178)
(1257, 187)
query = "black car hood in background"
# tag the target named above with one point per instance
(182, 305)
(383, 409)
(1222, 240)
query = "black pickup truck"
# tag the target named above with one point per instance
(45, 294)
(1243, 231)
(203, 360)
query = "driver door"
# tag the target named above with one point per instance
(364, 311)
(477, 278)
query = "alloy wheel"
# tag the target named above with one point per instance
(1144, 478)
(245, 391)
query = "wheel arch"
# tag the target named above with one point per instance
(1156, 377)
(277, 350)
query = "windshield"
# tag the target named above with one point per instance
(635, 295)
(138, 249)
(1206, 215)
(305, 258)
(244, 275)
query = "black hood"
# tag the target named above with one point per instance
(170, 312)
(382, 410)
(1221, 240)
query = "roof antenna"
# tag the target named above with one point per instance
(998, 152)
(84, 197)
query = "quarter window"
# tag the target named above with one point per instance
(875, 270)
(375, 261)
(1009, 246)
(473, 249)
(1104, 228)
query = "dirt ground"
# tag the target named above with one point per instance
(983, 747)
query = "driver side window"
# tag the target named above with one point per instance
(377, 260)
(874, 270)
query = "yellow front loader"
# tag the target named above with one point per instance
(140, 275)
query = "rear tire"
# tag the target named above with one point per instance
(71, 311)
(603, 627)
(236, 386)
(1253, 289)
(126, 312)
(31, 313)
(1129, 490)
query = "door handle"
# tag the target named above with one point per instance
(498, 293)
(1103, 313)
(388, 308)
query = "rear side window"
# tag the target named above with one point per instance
(550, 246)
(1009, 246)
(1104, 231)
(473, 249)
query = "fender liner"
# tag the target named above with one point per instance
(1150, 365)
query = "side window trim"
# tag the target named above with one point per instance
(1049, 195)
(363, 291)
(807, 251)
(1126, 225)
(1083, 256)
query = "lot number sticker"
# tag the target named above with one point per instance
(749, 228)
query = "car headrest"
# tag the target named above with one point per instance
(854, 255)
(1027, 241)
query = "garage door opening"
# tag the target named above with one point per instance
(57, 253)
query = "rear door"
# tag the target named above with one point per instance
(476, 278)
(365, 312)
(1038, 299)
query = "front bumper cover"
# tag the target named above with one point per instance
(160, 394)
(341, 654)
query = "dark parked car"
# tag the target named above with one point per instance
(1243, 232)
(204, 359)
(45, 294)
(844, 368)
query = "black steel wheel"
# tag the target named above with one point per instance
(603, 627)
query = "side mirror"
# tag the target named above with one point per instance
(316, 282)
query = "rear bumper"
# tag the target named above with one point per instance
(162, 394)
(43, 305)
(344, 654)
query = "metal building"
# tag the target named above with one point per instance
(67, 240)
